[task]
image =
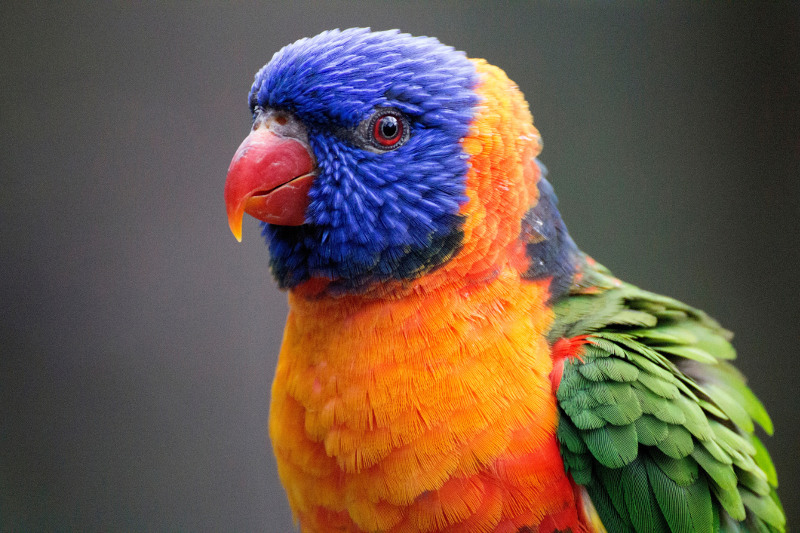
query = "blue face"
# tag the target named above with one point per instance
(384, 113)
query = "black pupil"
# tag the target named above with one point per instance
(389, 127)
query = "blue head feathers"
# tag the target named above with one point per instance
(374, 214)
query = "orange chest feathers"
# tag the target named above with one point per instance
(432, 412)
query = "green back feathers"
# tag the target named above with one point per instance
(654, 421)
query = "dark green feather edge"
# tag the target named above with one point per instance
(655, 423)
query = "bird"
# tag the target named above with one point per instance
(451, 360)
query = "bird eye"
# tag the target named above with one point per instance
(388, 129)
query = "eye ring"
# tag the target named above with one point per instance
(388, 129)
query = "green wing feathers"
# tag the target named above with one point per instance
(655, 421)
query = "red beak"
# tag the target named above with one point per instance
(269, 178)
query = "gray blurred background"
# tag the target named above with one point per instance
(138, 339)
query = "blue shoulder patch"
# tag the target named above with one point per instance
(551, 250)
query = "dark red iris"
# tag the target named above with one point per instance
(388, 130)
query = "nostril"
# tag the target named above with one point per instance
(281, 120)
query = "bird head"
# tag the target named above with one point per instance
(378, 158)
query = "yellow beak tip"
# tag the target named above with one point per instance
(235, 224)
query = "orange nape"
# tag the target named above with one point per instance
(427, 405)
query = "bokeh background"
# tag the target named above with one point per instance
(138, 339)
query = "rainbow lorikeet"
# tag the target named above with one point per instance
(451, 360)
